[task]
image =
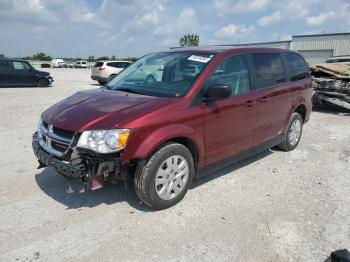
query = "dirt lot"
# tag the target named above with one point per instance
(275, 207)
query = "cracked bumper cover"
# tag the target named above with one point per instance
(75, 169)
(84, 165)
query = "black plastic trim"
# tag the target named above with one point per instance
(209, 169)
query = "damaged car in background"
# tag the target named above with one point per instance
(331, 84)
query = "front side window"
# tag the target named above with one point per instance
(168, 74)
(232, 72)
(269, 69)
(296, 67)
(20, 65)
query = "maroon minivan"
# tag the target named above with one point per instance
(175, 116)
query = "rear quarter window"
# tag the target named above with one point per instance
(269, 69)
(4, 65)
(114, 64)
(295, 67)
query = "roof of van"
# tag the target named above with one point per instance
(107, 61)
(14, 59)
(223, 48)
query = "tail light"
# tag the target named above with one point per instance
(101, 68)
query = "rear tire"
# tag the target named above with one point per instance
(42, 83)
(293, 133)
(163, 180)
(110, 77)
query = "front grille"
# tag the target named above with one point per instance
(46, 125)
(63, 133)
(59, 146)
(56, 141)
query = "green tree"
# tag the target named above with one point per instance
(103, 58)
(2, 56)
(91, 58)
(113, 57)
(41, 57)
(189, 40)
(132, 59)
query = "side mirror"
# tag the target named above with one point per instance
(216, 92)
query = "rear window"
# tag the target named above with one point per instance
(98, 64)
(269, 69)
(296, 67)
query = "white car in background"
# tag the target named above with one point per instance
(80, 64)
(103, 71)
(57, 62)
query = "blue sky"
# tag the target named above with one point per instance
(79, 28)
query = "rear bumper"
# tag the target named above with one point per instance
(98, 78)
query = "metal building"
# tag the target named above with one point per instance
(274, 44)
(315, 48)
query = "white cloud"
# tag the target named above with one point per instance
(274, 18)
(320, 18)
(239, 6)
(287, 10)
(232, 30)
(135, 27)
(185, 22)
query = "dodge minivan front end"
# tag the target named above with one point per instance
(91, 156)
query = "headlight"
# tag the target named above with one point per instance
(104, 141)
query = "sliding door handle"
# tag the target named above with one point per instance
(264, 99)
(250, 103)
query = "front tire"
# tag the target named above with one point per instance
(42, 83)
(293, 133)
(163, 180)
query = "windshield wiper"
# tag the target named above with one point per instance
(129, 90)
(105, 86)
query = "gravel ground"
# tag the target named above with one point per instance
(274, 207)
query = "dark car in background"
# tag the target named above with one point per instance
(16, 72)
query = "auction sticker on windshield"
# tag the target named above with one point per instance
(198, 58)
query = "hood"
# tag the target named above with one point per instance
(100, 109)
(42, 73)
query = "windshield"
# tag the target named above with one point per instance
(169, 74)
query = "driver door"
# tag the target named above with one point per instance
(230, 122)
(22, 74)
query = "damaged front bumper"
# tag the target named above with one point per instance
(92, 168)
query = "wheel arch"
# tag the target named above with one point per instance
(174, 133)
(301, 109)
(185, 141)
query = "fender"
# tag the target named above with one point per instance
(297, 101)
(160, 136)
